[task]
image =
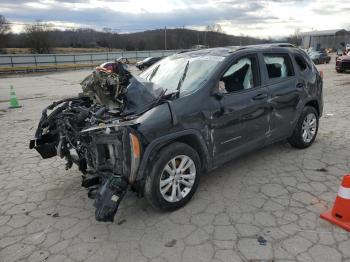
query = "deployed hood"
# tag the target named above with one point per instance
(140, 96)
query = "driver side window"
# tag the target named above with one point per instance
(241, 75)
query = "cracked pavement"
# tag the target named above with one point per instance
(263, 206)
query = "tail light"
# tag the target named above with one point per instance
(337, 60)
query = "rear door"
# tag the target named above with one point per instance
(242, 121)
(284, 91)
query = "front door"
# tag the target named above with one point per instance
(243, 119)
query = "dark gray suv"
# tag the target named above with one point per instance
(209, 107)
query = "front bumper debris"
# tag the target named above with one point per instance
(109, 196)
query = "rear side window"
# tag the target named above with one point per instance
(278, 66)
(302, 64)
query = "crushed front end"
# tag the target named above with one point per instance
(117, 151)
(96, 131)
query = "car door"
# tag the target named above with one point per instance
(241, 122)
(285, 92)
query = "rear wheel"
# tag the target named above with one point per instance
(173, 177)
(306, 129)
(339, 71)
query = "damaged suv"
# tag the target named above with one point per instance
(185, 115)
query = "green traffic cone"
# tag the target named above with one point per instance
(13, 99)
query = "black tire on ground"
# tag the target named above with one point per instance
(296, 140)
(339, 71)
(317, 62)
(152, 184)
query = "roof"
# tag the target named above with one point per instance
(324, 32)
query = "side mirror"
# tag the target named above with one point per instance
(216, 91)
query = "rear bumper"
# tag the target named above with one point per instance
(343, 65)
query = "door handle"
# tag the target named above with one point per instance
(300, 85)
(260, 96)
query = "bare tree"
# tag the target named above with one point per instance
(214, 28)
(4, 30)
(295, 38)
(39, 37)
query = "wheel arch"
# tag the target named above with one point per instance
(191, 137)
(314, 103)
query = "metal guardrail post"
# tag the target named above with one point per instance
(92, 62)
(74, 62)
(55, 62)
(36, 63)
(12, 66)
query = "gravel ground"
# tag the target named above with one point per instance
(274, 194)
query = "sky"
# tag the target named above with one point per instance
(258, 18)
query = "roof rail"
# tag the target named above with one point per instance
(238, 48)
(284, 45)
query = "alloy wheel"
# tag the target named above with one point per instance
(177, 178)
(309, 127)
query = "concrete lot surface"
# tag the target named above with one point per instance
(275, 194)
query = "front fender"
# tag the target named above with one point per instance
(169, 138)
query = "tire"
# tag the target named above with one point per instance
(317, 62)
(164, 158)
(298, 138)
(339, 71)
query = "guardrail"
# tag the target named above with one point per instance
(46, 62)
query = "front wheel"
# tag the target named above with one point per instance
(173, 177)
(306, 129)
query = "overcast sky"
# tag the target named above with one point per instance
(262, 18)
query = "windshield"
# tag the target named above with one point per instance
(185, 74)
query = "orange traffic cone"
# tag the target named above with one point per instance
(340, 214)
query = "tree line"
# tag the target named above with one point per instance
(42, 38)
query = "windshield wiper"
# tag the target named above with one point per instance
(182, 79)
